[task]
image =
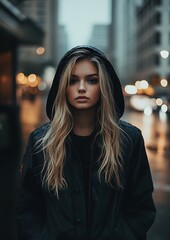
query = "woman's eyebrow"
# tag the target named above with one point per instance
(73, 75)
(89, 75)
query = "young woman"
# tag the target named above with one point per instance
(85, 174)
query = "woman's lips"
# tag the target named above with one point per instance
(82, 98)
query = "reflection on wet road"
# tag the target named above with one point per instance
(156, 132)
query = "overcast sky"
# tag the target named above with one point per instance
(80, 15)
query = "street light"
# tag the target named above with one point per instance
(40, 50)
(164, 54)
(164, 82)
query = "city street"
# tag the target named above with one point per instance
(133, 35)
(156, 132)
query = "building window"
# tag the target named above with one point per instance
(6, 77)
(157, 38)
(158, 18)
(158, 2)
(156, 59)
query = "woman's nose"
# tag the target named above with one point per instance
(82, 87)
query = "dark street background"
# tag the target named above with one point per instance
(135, 37)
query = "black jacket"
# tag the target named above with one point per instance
(118, 213)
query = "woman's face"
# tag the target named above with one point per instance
(83, 91)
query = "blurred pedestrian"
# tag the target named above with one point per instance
(85, 174)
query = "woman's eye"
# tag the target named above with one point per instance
(93, 80)
(73, 81)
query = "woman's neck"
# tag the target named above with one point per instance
(84, 122)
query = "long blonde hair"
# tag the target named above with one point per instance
(54, 141)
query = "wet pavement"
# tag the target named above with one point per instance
(156, 132)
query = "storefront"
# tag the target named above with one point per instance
(15, 30)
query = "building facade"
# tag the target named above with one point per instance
(16, 30)
(153, 37)
(139, 33)
(122, 43)
(45, 14)
(99, 37)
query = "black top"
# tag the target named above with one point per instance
(83, 146)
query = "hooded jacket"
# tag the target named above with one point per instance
(118, 213)
(92, 51)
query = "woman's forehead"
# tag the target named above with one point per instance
(84, 66)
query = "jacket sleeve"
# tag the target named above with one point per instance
(30, 206)
(139, 210)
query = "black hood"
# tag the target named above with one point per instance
(117, 89)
